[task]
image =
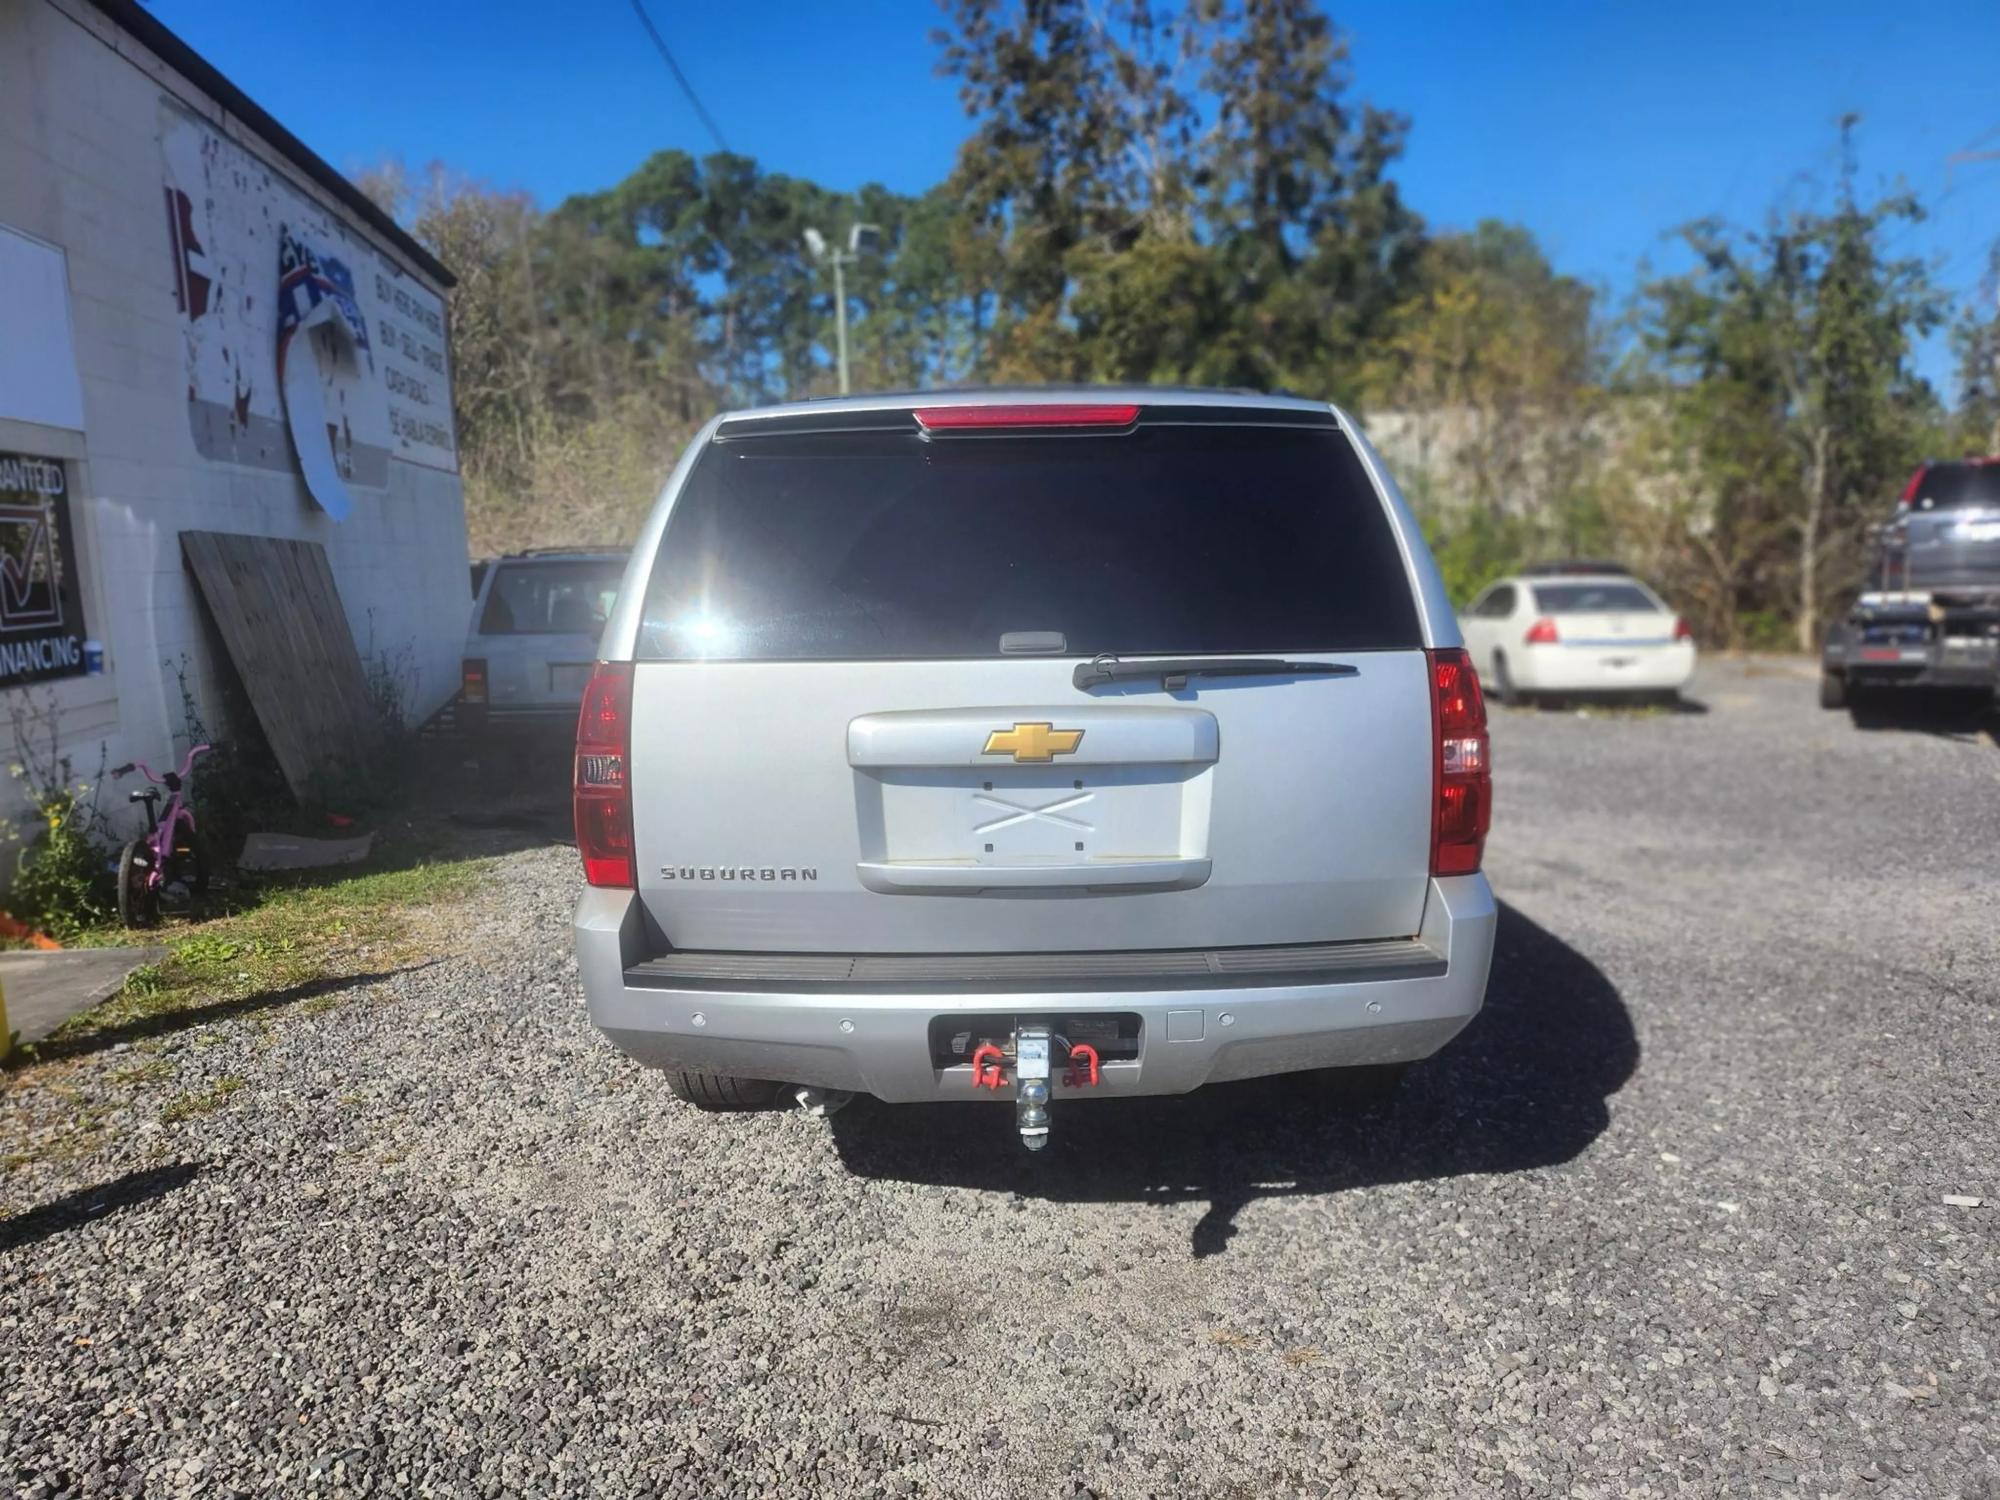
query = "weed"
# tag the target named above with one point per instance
(147, 979)
(187, 1106)
(389, 673)
(150, 1071)
(62, 881)
(237, 786)
(79, 1126)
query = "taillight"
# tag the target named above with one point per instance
(1040, 414)
(1682, 630)
(1463, 765)
(472, 679)
(603, 785)
(1910, 489)
(1541, 633)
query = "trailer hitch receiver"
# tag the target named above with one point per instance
(1033, 1053)
(1031, 1085)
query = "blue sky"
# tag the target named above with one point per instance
(1599, 126)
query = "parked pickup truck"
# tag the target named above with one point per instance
(1025, 745)
(1928, 617)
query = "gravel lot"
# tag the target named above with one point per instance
(1670, 1219)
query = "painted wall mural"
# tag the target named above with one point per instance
(295, 324)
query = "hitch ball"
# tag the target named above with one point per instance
(1032, 1112)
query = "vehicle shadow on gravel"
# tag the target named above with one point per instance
(1973, 718)
(86, 1204)
(1524, 1086)
(1611, 704)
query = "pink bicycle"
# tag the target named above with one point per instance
(168, 854)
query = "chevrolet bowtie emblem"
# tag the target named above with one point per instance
(1033, 742)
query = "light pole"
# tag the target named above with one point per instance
(860, 238)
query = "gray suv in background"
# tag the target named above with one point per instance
(1027, 745)
(536, 619)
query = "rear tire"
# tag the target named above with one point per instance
(1868, 706)
(138, 902)
(718, 1093)
(1503, 685)
(1833, 690)
(190, 871)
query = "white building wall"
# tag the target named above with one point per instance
(82, 108)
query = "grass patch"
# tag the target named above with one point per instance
(80, 1130)
(200, 1101)
(294, 937)
(153, 1070)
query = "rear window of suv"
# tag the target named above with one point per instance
(1167, 539)
(551, 598)
(1958, 487)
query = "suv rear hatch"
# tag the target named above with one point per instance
(864, 718)
(538, 628)
(1947, 535)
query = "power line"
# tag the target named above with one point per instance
(666, 55)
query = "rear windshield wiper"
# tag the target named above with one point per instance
(1174, 674)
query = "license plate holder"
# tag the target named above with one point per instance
(569, 678)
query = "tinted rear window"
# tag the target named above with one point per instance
(1958, 486)
(1166, 539)
(550, 598)
(1593, 598)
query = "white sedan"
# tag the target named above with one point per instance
(1559, 632)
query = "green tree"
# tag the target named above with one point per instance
(1297, 193)
(1975, 340)
(1161, 313)
(1495, 358)
(1786, 354)
(1079, 150)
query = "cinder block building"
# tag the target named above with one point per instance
(203, 326)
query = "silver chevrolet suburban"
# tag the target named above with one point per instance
(1027, 745)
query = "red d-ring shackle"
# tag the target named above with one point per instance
(987, 1060)
(1082, 1066)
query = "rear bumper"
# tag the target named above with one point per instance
(535, 720)
(875, 1037)
(1602, 669)
(1949, 664)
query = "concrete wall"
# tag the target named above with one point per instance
(83, 113)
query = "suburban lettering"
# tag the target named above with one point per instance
(739, 872)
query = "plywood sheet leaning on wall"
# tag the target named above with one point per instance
(279, 613)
